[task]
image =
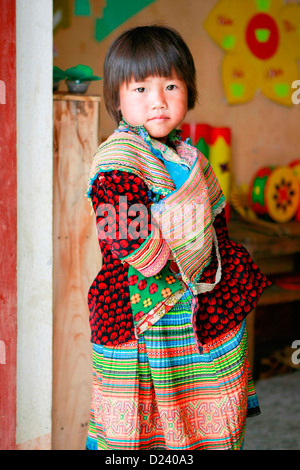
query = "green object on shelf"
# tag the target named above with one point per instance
(81, 73)
(58, 74)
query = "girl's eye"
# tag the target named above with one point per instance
(140, 89)
(171, 87)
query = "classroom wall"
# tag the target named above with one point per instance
(263, 132)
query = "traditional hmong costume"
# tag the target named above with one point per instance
(168, 307)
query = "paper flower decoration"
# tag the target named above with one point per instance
(261, 39)
(275, 192)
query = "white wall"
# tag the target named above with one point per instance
(34, 153)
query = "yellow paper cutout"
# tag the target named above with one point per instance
(261, 39)
(220, 159)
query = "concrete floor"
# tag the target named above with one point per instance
(278, 425)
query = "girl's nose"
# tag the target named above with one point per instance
(159, 100)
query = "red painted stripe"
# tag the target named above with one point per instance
(8, 225)
(217, 132)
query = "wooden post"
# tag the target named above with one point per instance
(8, 217)
(76, 263)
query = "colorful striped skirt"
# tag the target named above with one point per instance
(159, 393)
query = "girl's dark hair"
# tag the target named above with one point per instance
(143, 51)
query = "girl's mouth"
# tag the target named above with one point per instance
(158, 118)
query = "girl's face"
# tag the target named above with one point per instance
(157, 103)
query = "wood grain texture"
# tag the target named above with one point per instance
(76, 262)
(61, 95)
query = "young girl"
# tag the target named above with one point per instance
(168, 307)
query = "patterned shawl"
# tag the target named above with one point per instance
(132, 150)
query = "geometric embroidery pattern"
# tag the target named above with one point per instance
(146, 396)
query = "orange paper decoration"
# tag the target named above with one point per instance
(295, 166)
(274, 192)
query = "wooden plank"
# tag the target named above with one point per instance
(76, 262)
(262, 244)
(64, 96)
(8, 217)
(277, 264)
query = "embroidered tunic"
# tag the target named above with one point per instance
(137, 284)
(167, 314)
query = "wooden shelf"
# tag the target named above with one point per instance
(275, 248)
(276, 295)
(66, 96)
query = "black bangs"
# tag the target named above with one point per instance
(146, 64)
(149, 60)
(142, 52)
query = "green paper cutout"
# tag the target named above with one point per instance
(115, 13)
(281, 89)
(237, 89)
(203, 147)
(258, 191)
(262, 34)
(263, 5)
(228, 42)
(82, 8)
